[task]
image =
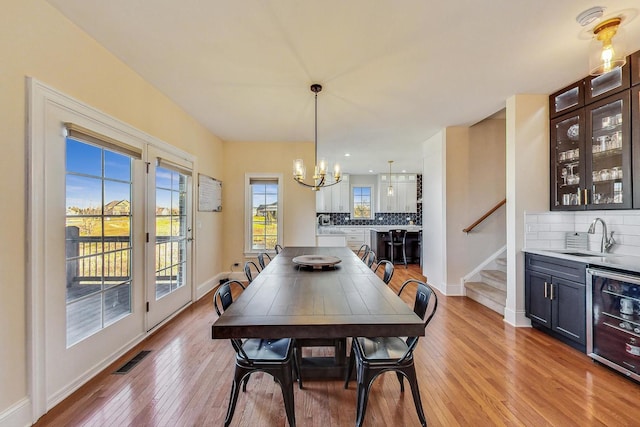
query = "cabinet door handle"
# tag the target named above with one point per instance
(586, 200)
(551, 286)
(545, 289)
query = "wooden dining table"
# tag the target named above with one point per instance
(288, 300)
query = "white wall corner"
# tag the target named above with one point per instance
(517, 319)
(18, 414)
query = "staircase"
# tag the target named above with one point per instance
(491, 291)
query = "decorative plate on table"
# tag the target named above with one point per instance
(317, 261)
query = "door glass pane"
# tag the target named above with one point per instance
(98, 238)
(171, 230)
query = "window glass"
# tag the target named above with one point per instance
(362, 202)
(264, 214)
(98, 238)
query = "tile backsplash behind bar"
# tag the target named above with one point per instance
(547, 230)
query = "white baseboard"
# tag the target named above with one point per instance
(517, 319)
(17, 415)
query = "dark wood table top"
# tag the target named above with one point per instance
(286, 300)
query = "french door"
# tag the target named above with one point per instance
(169, 185)
(109, 241)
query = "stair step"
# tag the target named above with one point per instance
(495, 278)
(487, 295)
(501, 262)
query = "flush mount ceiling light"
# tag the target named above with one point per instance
(320, 168)
(607, 51)
(390, 187)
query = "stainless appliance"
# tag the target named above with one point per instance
(613, 319)
(324, 219)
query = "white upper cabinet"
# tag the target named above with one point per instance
(405, 193)
(334, 198)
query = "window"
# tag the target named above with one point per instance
(98, 238)
(362, 202)
(263, 210)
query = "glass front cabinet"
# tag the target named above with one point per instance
(591, 156)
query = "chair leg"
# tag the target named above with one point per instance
(401, 381)
(415, 391)
(297, 365)
(238, 378)
(245, 380)
(347, 376)
(286, 384)
(404, 256)
(365, 378)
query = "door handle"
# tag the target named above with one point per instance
(551, 286)
(546, 285)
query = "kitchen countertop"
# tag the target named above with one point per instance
(339, 229)
(593, 259)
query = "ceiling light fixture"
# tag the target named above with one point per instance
(607, 51)
(390, 187)
(320, 168)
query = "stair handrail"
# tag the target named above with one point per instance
(485, 216)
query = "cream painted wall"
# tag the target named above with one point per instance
(299, 204)
(527, 187)
(37, 41)
(476, 181)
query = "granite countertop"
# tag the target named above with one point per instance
(385, 229)
(593, 259)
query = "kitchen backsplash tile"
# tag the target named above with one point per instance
(546, 230)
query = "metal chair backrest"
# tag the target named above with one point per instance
(363, 250)
(388, 270)
(248, 272)
(397, 237)
(278, 248)
(223, 298)
(261, 261)
(421, 307)
(370, 259)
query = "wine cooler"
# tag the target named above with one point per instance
(613, 320)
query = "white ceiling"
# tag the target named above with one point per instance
(394, 72)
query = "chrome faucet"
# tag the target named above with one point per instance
(607, 241)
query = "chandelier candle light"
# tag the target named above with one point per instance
(320, 167)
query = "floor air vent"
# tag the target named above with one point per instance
(124, 369)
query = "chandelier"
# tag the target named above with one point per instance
(320, 167)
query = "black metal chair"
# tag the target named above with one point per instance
(277, 248)
(374, 356)
(388, 270)
(274, 357)
(370, 259)
(363, 251)
(261, 261)
(251, 270)
(397, 240)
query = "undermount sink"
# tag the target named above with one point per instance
(581, 254)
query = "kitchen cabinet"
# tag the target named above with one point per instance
(635, 68)
(354, 237)
(599, 87)
(555, 298)
(635, 135)
(591, 156)
(335, 198)
(567, 99)
(405, 193)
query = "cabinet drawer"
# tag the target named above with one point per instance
(570, 270)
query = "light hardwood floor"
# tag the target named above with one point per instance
(473, 369)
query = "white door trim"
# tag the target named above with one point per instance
(39, 96)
